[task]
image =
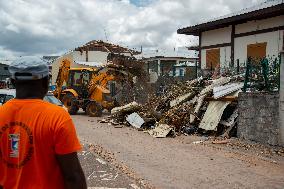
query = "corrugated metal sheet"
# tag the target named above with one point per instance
(204, 92)
(221, 91)
(213, 115)
(217, 82)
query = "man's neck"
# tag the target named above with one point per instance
(28, 95)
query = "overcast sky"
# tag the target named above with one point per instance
(52, 27)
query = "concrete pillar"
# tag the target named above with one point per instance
(159, 67)
(174, 69)
(281, 99)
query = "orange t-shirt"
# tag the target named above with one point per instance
(32, 132)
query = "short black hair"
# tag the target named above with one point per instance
(36, 82)
(37, 87)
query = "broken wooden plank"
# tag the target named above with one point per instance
(132, 107)
(225, 98)
(220, 142)
(197, 108)
(216, 83)
(227, 132)
(181, 99)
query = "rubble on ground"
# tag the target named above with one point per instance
(200, 106)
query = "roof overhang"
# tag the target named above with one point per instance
(106, 47)
(170, 58)
(92, 64)
(193, 48)
(269, 12)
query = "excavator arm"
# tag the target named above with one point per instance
(99, 79)
(102, 77)
(62, 76)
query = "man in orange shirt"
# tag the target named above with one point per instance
(38, 142)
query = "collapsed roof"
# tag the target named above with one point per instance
(105, 47)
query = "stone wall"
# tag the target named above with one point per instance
(281, 100)
(259, 118)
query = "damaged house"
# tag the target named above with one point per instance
(92, 54)
(4, 72)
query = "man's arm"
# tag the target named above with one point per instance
(72, 172)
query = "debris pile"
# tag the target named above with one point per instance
(197, 106)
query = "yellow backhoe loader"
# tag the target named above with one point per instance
(86, 88)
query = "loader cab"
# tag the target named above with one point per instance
(79, 80)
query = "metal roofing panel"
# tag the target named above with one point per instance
(135, 120)
(221, 91)
(213, 115)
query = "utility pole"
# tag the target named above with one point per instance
(106, 35)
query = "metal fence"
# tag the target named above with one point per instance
(262, 74)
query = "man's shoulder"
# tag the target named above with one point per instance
(52, 108)
(40, 105)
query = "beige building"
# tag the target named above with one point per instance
(179, 67)
(229, 40)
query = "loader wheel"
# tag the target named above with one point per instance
(94, 109)
(69, 102)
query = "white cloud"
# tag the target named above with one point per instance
(7, 53)
(12, 27)
(50, 27)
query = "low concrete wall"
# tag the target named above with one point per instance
(259, 118)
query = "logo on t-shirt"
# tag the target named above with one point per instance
(14, 139)
(17, 149)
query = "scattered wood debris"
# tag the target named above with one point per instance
(185, 107)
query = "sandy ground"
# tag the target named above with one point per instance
(178, 163)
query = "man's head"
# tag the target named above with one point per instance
(29, 75)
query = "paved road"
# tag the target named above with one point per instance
(101, 175)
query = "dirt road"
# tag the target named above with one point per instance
(101, 174)
(178, 163)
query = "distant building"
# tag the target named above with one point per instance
(4, 72)
(92, 54)
(179, 67)
(50, 59)
(228, 41)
